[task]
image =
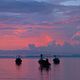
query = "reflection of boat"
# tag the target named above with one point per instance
(18, 60)
(41, 68)
(56, 60)
(44, 63)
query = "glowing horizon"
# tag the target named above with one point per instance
(38, 23)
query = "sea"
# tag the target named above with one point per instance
(68, 69)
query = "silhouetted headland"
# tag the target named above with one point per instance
(56, 60)
(44, 63)
(18, 60)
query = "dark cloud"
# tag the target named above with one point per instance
(52, 48)
(31, 9)
(77, 38)
(26, 7)
(32, 46)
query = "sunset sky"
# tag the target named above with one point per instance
(28, 24)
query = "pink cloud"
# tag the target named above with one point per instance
(77, 33)
(19, 37)
(14, 42)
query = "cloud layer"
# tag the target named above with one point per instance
(39, 23)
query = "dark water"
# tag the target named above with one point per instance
(68, 69)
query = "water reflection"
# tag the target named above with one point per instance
(58, 71)
(18, 66)
(44, 68)
(31, 70)
(44, 73)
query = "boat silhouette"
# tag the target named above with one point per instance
(56, 60)
(44, 62)
(18, 60)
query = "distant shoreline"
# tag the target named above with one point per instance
(60, 56)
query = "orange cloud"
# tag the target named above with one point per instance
(42, 40)
(60, 42)
(77, 33)
(18, 36)
(14, 42)
(19, 31)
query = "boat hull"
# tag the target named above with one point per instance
(18, 61)
(56, 61)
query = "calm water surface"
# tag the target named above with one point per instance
(68, 69)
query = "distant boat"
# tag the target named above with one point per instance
(56, 60)
(18, 60)
(44, 63)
